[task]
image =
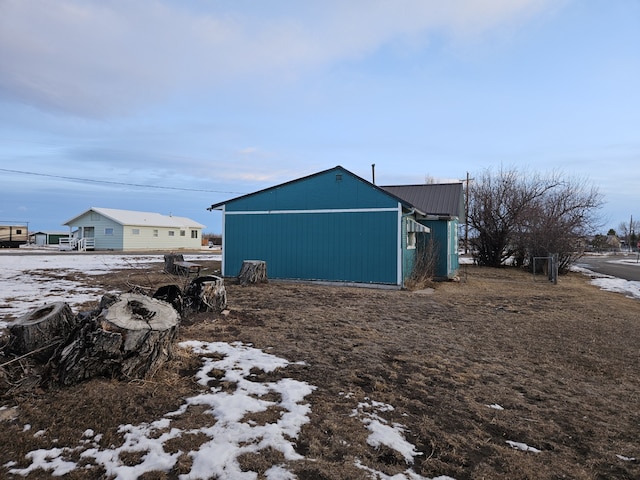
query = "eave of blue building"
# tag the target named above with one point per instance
(332, 189)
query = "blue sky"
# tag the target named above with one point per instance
(171, 106)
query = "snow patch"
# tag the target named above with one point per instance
(523, 446)
(382, 431)
(626, 459)
(227, 436)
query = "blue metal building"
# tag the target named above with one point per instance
(329, 226)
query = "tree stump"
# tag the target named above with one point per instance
(43, 327)
(169, 260)
(131, 338)
(253, 271)
(206, 294)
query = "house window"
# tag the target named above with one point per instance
(18, 232)
(183, 233)
(172, 233)
(194, 233)
(108, 231)
(155, 233)
(135, 231)
(411, 240)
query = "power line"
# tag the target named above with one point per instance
(107, 182)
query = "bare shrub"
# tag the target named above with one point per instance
(424, 269)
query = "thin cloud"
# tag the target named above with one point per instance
(98, 59)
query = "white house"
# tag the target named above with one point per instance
(111, 229)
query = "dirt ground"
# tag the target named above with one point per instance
(563, 362)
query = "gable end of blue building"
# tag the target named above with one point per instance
(330, 226)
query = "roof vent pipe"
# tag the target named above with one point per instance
(373, 173)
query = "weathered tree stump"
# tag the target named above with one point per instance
(214, 295)
(131, 338)
(169, 261)
(42, 330)
(253, 271)
(206, 294)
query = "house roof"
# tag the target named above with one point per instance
(142, 219)
(403, 201)
(441, 199)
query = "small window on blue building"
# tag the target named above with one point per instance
(411, 240)
(108, 231)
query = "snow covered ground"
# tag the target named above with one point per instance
(226, 436)
(31, 279)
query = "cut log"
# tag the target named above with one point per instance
(129, 339)
(206, 294)
(253, 271)
(169, 261)
(46, 326)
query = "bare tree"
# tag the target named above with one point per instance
(524, 215)
(499, 205)
(560, 220)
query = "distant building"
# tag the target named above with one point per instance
(46, 237)
(329, 226)
(111, 229)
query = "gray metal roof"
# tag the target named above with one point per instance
(442, 199)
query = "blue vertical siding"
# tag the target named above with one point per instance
(334, 246)
(445, 234)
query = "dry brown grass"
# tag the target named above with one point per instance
(561, 359)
